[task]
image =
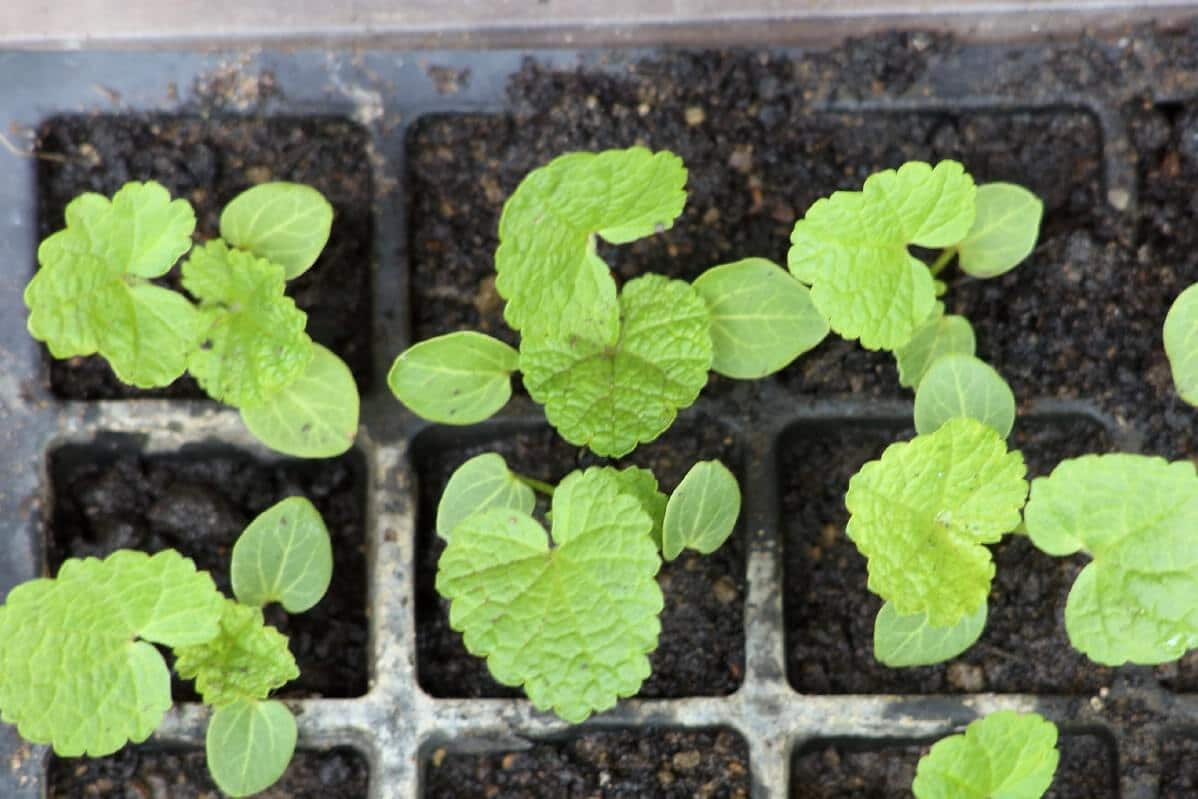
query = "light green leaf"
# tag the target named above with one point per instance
(284, 556)
(1181, 343)
(316, 416)
(285, 223)
(702, 511)
(939, 336)
(247, 659)
(911, 641)
(922, 514)
(761, 318)
(1004, 231)
(572, 623)
(1005, 755)
(1135, 515)
(851, 248)
(962, 385)
(546, 259)
(72, 670)
(642, 485)
(459, 378)
(611, 397)
(481, 483)
(249, 745)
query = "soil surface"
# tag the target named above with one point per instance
(142, 773)
(1179, 767)
(669, 764)
(701, 649)
(849, 771)
(198, 501)
(209, 161)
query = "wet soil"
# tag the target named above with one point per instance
(198, 501)
(1179, 767)
(669, 764)
(208, 161)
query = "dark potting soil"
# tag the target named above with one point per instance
(623, 764)
(1087, 770)
(198, 501)
(208, 161)
(830, 612)
(701, 649)
(138, 772)
(1179, 766)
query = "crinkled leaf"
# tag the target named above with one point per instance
(911, 641)
(1137, 601)
(611, 397)
(962, 385)
(249, 745)
(1181, 343)
(572, 623)
(1005, 755)
(285, 223)
(481, 483)
(247, 659)
(1004, 230)
(851, 248)
(459, 378)
(702, 511)
(922, 513)
(546, 259)
(72, 670)
(940, 335)
(284, 556)
(315, 416)
(641, 484)
(761, 317)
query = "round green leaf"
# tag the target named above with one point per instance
(481, 483)
(912, 640)
(702, 511)
(284, 556)
(761, 318)
(316, 416)
(962, 385)
(1181, 343)
(285, 223)
(939, 336)
(459, 378)
(1005, 755)
(249, 745)
(1004, 231)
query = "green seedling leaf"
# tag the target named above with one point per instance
(911, 641)
(761, 318)
(573, 622)
(923, 512)
(546, 259)
(77, 668)
(91, 296)
(1004, 231)
(249, 745)
(254, 343)
(642, 485)
(941, 335)
(1137, 601)
(285, 223)
(284, 556)
(459, 378)
(851, 248)
(1005, 755)
(481, 483)
(962, 385)
(1181, 343)
(247, 659)
(611, 396)
(702, 511)
(315, 416)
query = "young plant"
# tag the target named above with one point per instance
(612, 366)
(79, 668)
(1005, 755)
(571, 616)
(245, 343)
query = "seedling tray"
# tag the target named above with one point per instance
(792, 705)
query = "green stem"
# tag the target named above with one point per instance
(942, 260)
(534, 484)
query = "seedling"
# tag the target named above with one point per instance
(612, 366)
(79, 669)
(573, 616)
(245, 343)
(1005, 755)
